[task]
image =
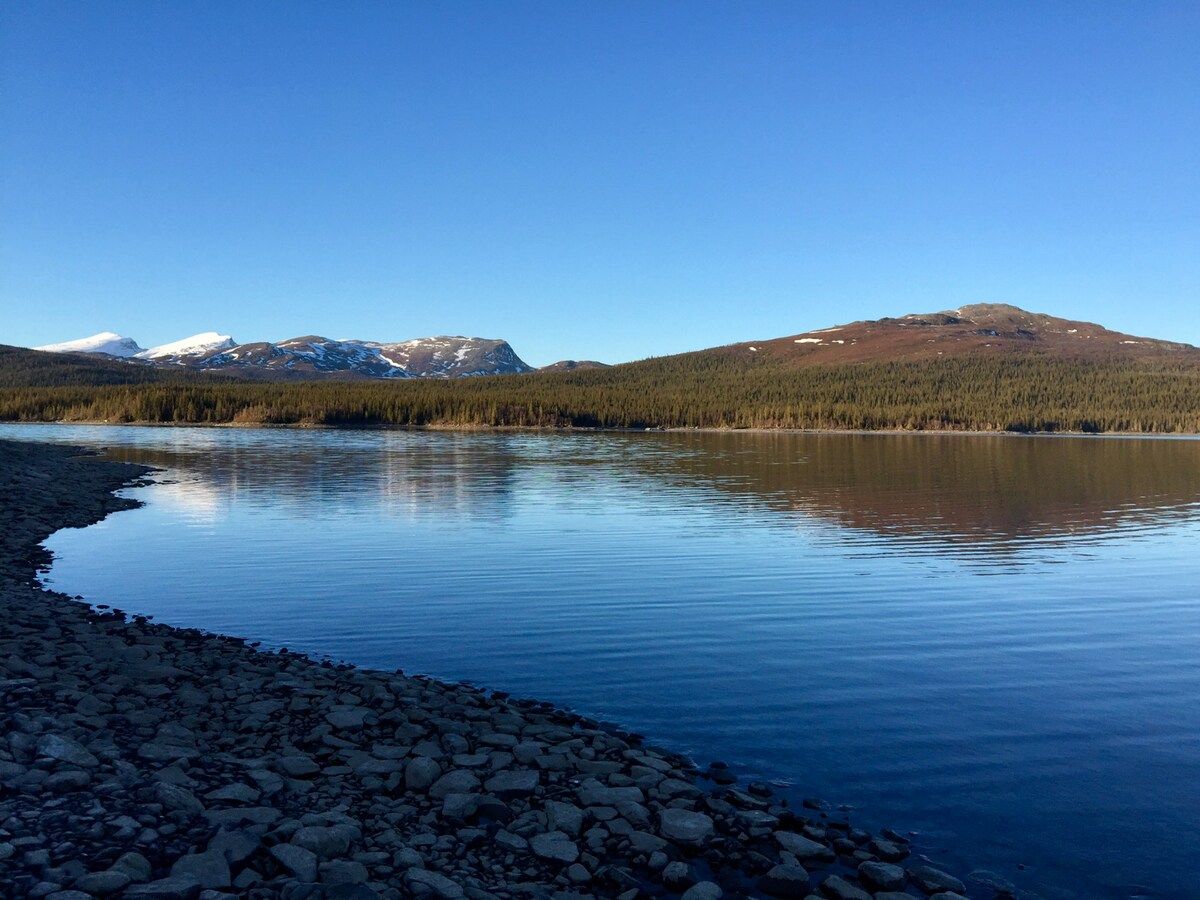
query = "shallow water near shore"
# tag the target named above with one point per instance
(989, 640)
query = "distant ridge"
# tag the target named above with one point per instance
(981, 328)
(313, 356)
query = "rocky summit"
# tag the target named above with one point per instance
(143, 761)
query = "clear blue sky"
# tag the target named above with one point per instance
(593, 180)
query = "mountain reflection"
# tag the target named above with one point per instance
(954, 488)
(997, 492)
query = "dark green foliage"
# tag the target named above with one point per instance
(707, 390)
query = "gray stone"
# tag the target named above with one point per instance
(342, 871)
(787, 881)
(577, 873)
(174, 797)
(6, 851)
(68, 895)
(347, 718)
(891, 851)
(684, 827)
(678, 876)
(882, 876)
(300, 862)
(325, 841)
(297, 765)
(646, 843)
(101, 884)
(439, 885)
(510, 841)
(592, 793)
(565, 817)
(458, 781)
(838, 888)
(133, 864)
(513, 783)
(460, 807)
(234, 793)
(176, 887)
(705, 890)
(66, 750)
(996, 882)
(210, 869)
(235, 846)
(554, 845)
(420, 773)
(802, 848)
(932, 880)
(66, 781)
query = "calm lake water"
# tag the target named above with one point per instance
(993, 642)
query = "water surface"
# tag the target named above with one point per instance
(990, 641)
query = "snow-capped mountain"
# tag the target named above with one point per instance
(107, 342)
(313, 356)
(198, 345)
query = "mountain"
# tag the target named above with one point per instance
(992, 329)
(572, 365)
(107, 342)
(197, 346)
(313, 356)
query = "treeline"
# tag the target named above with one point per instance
(706, 390)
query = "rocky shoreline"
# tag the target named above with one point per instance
(140, 760)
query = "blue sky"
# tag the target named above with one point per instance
(592, 180)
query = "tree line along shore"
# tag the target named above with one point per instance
(714, 389)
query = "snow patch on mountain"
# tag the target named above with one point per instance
(197, 345)
(107, 342)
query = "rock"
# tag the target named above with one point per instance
(133, 864)
(6, 851)
(234, 793)
(641, 842)
(578, 874)
(592, 793)
(684, 827)
(705, 890)
(101, 884)
(342, 871)
(838, 888)
(439, 885)
(210, 869)
(347, 718)
(68, 895)
(300, 862)
(513, 783)
(510, 841)
(566, 817)
(176, 887)
(554, 845)
(324, 841)
(235, 846)
(457, 781)
(297, 765)
(66, 750)
(67, 781)
(932, 880)
(460, 807)
(787, 881)
(802, 848)
(172, 796)
(996, 882)
(421, 773)
(882, 876)
(890, 851)
(948, 895)
(678, 876)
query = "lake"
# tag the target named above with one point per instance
(990, 641)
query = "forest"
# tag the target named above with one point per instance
(710, 389)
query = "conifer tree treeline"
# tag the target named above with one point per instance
(705, 390)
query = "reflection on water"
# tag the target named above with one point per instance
(808, 607)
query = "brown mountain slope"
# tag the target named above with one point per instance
(985, 328)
